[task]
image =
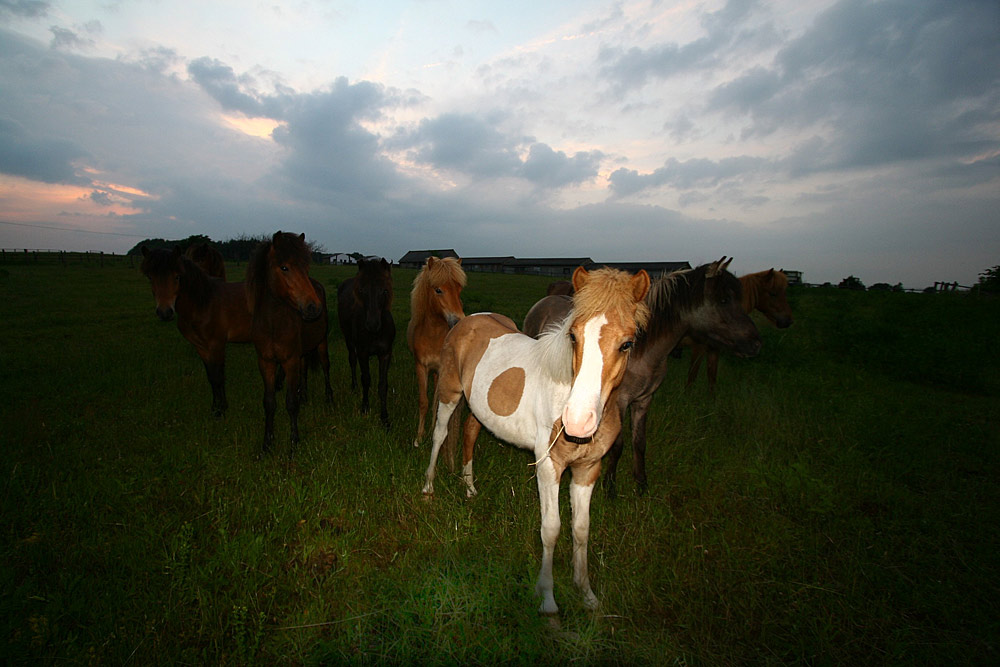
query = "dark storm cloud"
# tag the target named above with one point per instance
(31, 9)
(890, 81)
(37, 158)
(473, 145)
(726, 33)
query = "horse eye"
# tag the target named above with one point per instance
(438, 290)
(626, 346)
(724, 300)
(284, 267)
(572, 338)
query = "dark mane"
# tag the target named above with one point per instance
(195, 283)
(676, 294)
(288, 248)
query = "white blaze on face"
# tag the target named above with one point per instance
(582, 413)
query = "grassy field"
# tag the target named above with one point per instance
(836, 503)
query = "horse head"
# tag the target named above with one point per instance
(288, 274)
(164, 269)
(446, 280)
(771, 298)
(608, 310)
(720, 317)
(373, 291)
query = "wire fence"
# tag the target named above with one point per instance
(64, 257)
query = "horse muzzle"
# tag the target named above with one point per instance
(311, 312)
(782, 322)
(165, 314)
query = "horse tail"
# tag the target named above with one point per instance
(450, 448)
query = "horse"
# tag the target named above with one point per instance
(210, 312)
(435, 307)
(553, 396)
(208, 258)
(363, 304)
(705, 300)
(763, 291)
(563, 287)
(289, 325)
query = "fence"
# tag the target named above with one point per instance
(64, 257)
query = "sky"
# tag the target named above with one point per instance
(833, 137)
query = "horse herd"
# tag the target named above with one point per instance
(558, 387)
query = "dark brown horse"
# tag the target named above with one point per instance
(289, 326)
(764, 291)
(210, 312)
(208, 258)
(363, 304)
(706, 299)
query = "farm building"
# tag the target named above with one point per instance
(414, 259)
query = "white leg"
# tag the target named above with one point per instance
(548, 495)
(444, 411)
(580, 500)
(470, 488)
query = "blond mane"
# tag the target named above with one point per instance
(441, 272)
(609, 291)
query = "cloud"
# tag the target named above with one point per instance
(554, 169)
(40, 159)
(31, 9)
(694, 173)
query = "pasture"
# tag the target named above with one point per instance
(835, 503)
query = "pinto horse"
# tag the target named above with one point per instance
(435, 307)
(210, 312)
(208, 258)
(289, 325)
(764, 291)
(705, 300)
(363, 304)
(553, 396)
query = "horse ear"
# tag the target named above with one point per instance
(580, 278)
(430, 261)
(640, 285)
(459, 259)
(726, 265)
(277, 235)
(770, 273)
(302, 237)
(386, 264)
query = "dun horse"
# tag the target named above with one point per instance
(764, 291)
(210, 312)
(435, 307)
(706, 300)
(363, 304)
(208, 258)
(553, 396)
(289, 326)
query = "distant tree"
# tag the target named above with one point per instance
(880, 287)
(852, 283)
(989, 280)
(898, 287)
(356, 256)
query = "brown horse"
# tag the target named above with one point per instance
(289, 325)
(210, 312)
(553, 396)
(435, 307)
(706, 299)
(764, 291)
(363, 310)
(559, 287)
(208, 258)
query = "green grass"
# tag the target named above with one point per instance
(835, 503)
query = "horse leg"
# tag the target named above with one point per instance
(324, 361)
(548, 496)
(215, 367)
(440, 432)
(712, 368)
(366, 376)
(383, 387)
(268, 373)
(640, 409)
(697, 352)
(579, 496)
(469, 435)
(352, 361)
(293, 376)
(421, 402)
